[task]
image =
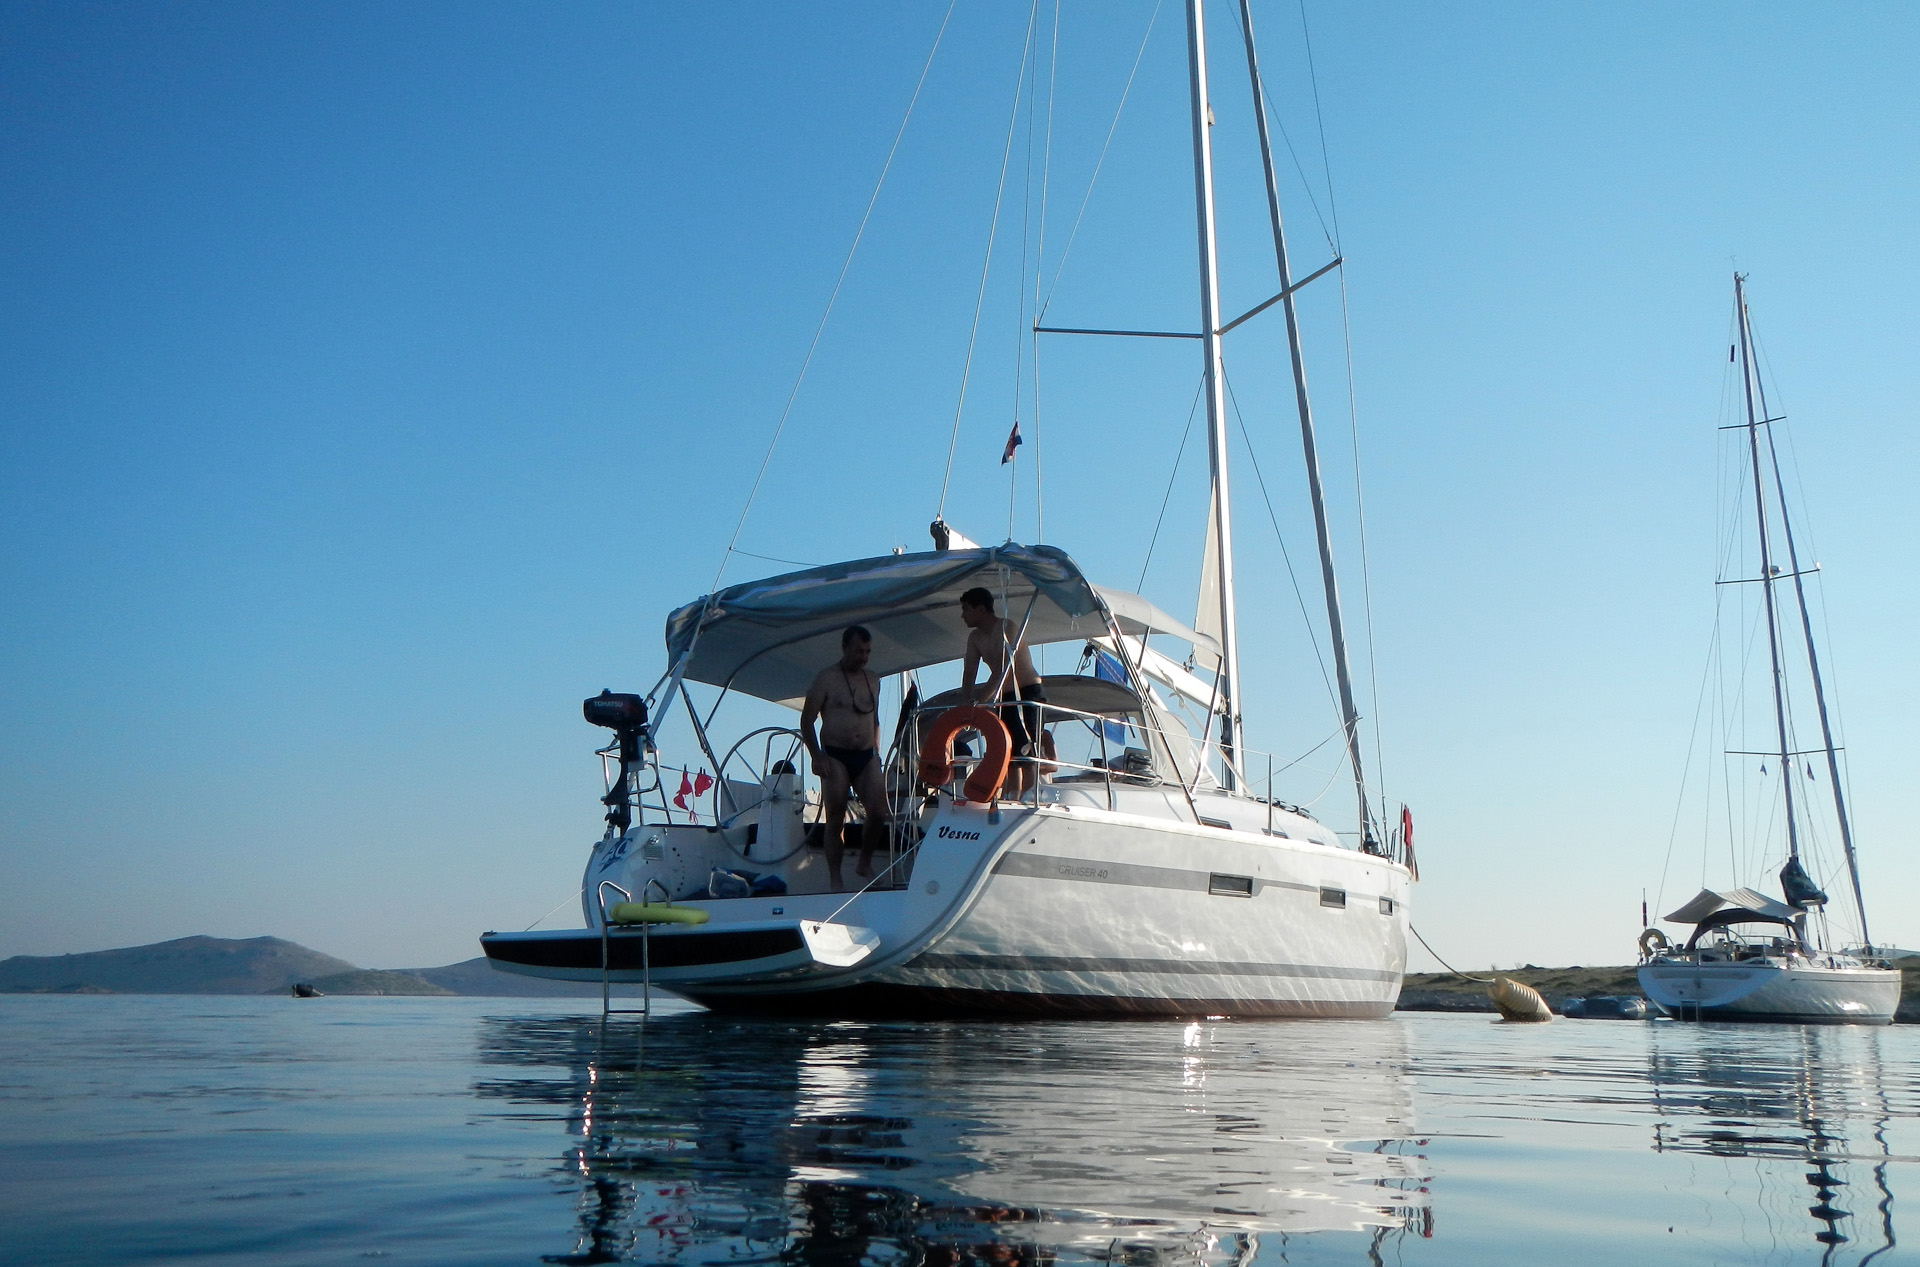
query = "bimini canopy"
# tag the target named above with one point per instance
(769, 638)
(1711, 902)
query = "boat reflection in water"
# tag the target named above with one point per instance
(707, 1137)
(1809, 1094)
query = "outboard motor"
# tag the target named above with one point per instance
(626, 717)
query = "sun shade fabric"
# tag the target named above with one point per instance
(1137, 616)
(1711, 901)
(769, 638)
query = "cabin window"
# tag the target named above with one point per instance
(1230, 885)
(1386, 906)
(1221, 823)
(1336, 898)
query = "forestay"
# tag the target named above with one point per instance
(769, 638)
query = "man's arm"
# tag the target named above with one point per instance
(809, 713)
(969, 667)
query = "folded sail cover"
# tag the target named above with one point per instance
(1712, 902)
(769, 638)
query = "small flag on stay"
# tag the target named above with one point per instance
(1013, 442)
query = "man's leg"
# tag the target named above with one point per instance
(833, 802)
(1015, 718)
(871, 788)
(1030, 721)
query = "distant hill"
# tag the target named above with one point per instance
(259, 965)
(477, 977)
(188, 965)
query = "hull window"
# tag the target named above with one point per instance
(1386, 906)
(1336, 898)
(1230, 885)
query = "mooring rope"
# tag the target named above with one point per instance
(1443, 963)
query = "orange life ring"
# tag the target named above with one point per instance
(936, 750)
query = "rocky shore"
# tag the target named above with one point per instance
(1445, 992)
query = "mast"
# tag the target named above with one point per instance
(1349, 715)
(1221, 526)
(1766, 565)
(1819, 688)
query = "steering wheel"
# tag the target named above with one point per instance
(746, 773)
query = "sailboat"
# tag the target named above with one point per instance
(1751, 956)
(1146, 869)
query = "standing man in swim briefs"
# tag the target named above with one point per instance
(989, 638)
(845, 697)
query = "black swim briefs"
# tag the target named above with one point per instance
(854, 759)
(1023, 719)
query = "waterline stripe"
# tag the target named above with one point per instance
(1174, 967)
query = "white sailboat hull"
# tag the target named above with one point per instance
(1061, 910)
(1772, 990)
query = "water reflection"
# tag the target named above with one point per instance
(837, 1142)
(1810, 1094)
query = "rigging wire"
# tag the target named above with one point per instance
(1326, 166)
(1833, 734)
(1353, 412)
(1192, 410)
(774, 558)
(834, 296)
(1693, 736)
(1039, 268)
(1366, 566)
(1306, 185)
(986, 264)
(1300, 598)
(1100, 162)
(1020, 334)
(1336, 733)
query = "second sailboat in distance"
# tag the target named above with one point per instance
(1750, 956)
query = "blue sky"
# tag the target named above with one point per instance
(375, 378)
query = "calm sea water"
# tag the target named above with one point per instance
(338, 1130)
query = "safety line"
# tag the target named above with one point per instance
(833, 297)
(986, 264)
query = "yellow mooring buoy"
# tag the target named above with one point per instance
(1518, 1002)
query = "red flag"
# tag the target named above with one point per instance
(1013, 442)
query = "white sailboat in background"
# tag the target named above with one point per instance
(1749, 956)
(1150, 870)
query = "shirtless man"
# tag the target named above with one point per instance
(988, 637)
(845, 698)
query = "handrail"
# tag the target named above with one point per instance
(1051, 712)
(646, 950)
